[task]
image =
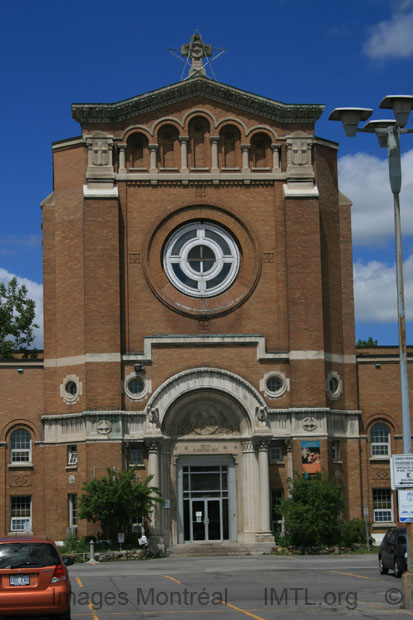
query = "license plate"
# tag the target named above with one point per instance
(19, 580)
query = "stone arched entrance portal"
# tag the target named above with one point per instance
(208, 441)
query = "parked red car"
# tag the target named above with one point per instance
(33, 578)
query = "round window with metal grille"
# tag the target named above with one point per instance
(201, 259)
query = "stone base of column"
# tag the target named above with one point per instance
(265, 537)
(407, 590)
(157, 544)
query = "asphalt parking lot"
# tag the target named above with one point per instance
(260, 587)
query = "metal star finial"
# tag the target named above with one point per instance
(194, 54)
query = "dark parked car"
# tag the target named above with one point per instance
(393, 551)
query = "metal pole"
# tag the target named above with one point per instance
(404, 386)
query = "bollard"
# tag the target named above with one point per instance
(92, 552)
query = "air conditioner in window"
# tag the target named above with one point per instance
(137, 528)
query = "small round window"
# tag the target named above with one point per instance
(201, 259)
(71, 388)
(334, 385)
(274, 384)
(136, 386)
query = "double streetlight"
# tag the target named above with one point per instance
(388, 134)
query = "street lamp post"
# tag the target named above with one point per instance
(388, 134)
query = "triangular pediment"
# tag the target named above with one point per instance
(186, 90)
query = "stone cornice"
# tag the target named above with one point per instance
(97, 113)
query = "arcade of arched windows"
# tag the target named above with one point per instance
(199, 151)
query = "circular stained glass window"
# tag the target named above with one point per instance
(201, 259)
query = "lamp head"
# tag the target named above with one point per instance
(350, 117)
(371, 127)
(401, 106)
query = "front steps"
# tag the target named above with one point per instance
(194, 550)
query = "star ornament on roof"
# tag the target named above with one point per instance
(196, 56)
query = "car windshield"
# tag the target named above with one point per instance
(20, 555)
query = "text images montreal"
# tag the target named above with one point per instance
(149, 597)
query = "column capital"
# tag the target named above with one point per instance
(288, 445)
(153, 446)
(245, 147)
(214, 139)
(263, 444)
(275, 147)
(183, 139)
(248, 446)
(122, 147)
(153, 146)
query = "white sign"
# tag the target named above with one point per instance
(406, 505)
(402, 471)
(121, 537)
(166, 503)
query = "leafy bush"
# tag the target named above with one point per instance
(311, 513)
(352, 532)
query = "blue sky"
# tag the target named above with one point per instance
(325, 51)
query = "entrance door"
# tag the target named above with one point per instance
(206, 517)
(205, 502)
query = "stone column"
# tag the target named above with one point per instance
(290, 468)
(165, 512)
(245, 148)
(184, 153)
(153, 469)
(214, 151)
(250, 488)
(276, 159)
(153, 165)
(265, 517)
(122, 158)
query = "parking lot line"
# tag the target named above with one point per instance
(338, 572)
(171, 578)
(242, 611)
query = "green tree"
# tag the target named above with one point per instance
(311, 513)
(116, 499)
(366, 343)
(16, 320)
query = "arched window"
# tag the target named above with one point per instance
(260, 151)
(198, 143)
(168, 149)
(20, 446)
(380, 439)
(137, 152)
(230, 147)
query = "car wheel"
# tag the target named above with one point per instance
(382, 569)
(397, 569)
(64, 616)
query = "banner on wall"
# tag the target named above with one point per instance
(310, 457)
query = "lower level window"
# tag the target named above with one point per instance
(382, 506)
(21, 513)
(276, 517)
(72, 510)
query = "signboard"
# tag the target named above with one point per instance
(402, 471)
(121, 538)
(310, 457)
(406, 505)
(166, 503)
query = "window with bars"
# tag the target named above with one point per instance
(72, 455)
(380, 439)
(277, 519)
(73, 512)
(382, 506)
(276, 452)
(20, 446)
(136, 455)
(335, 451)
(21, 513)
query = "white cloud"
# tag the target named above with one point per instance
(375, 291)
(392, 38)
(365, 180)
(35, 292)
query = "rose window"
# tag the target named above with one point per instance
(201, 259)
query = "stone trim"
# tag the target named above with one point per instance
(196, 87)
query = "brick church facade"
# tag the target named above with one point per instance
(198, 323)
